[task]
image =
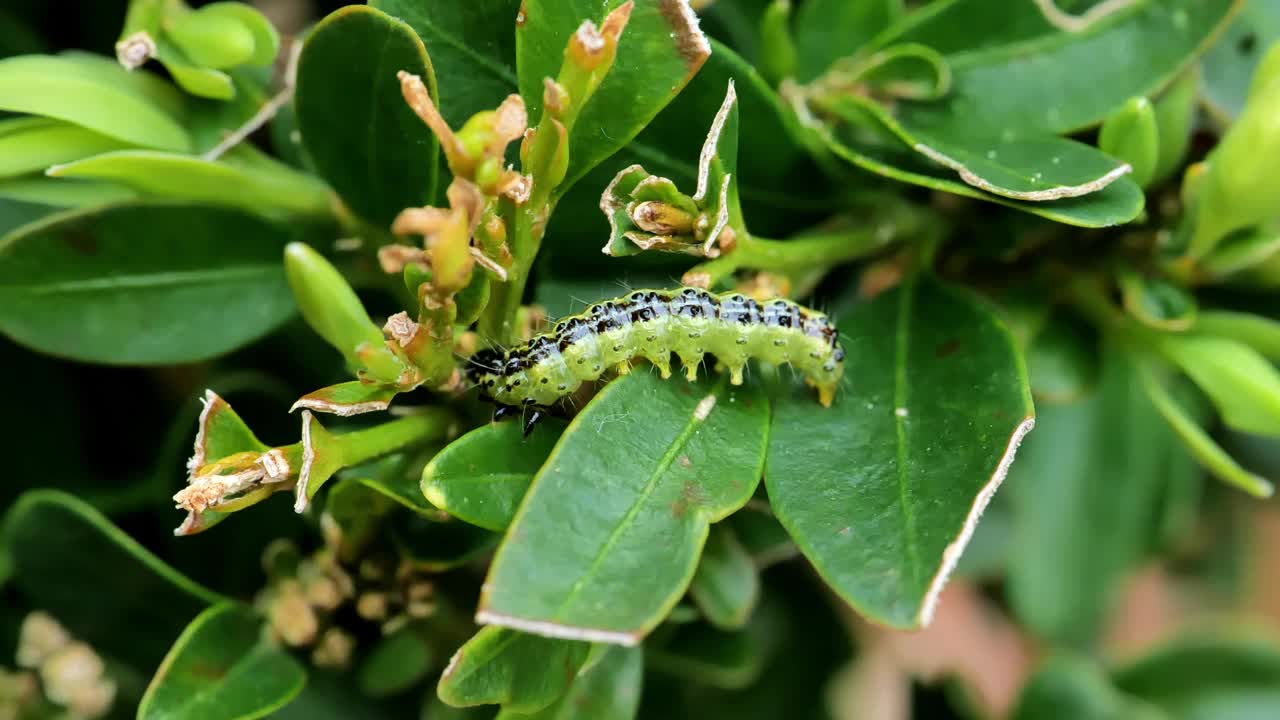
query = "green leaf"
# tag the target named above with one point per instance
(433, 545)
(660, 51)
(882, 491)
(1176, 114)
(1242, 384)
(1202, 665)
(64, 551)
(1069, 688)
(1229, 65)
(143, 284)
(725, 586)
(242, 179)
(395, 664)
(1197, 441)
(220, 667)
(95, 93)
(524, 673)
(958, 26)
(1085, 479)
(473, 48)
(1069, 81)
(699, 651)
(481, 477)
(56, 195)
(358, 130)
(1245, 705)
(1258, 332)
(827, 30)
(761, 535)
(1157, 303)
(1116, 203)
(609, 689)
(29, 145)
(348, 398)
(266, 40)
(639, 500)
(1131, 134)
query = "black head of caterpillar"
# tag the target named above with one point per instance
(653, 324)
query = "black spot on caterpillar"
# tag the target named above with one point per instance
(653, 324)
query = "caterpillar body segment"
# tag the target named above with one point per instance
(653, 324)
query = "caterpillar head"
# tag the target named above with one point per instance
(483, 364)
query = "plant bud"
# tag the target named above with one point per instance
(212, 40)
(1130, 134)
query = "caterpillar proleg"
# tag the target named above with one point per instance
(653, 324)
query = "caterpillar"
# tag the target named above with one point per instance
(653, 324)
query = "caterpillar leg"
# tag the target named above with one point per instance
(826, 393)
(532, 421)
(735, 374)
(623, 367)
(662, 363)
(691, 361)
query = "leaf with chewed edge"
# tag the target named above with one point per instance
(883, 491)
(522, 672)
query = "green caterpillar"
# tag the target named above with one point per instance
(653, 324)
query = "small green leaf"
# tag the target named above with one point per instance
(640, 508)
(1157, 303)
(1242, 384)
(211, 40)
(720, 658)
(473, 49)
(359, 131)
(882, 491)
(243, 179)
(1258, 332)
(609, 689)
(1063, 82)
(1083, 481)
(56, 194)
(348, 398)
(1062, 359)
(30, 145)
(395, 664)
(524, 673)
(827, 30)
(97, 94)
(1131, 135)
(1069, 688)
(436, 545)
(726, 586)
(1176, 113)
(481, 477)
(220, 667)
(1198, 442)
(761, 535)
(266, 40)
(1242, 251)
(777, 46)
(64, 551)
(1202, 665)
(660, 51)
(143, 284)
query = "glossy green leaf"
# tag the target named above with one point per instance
(199, 81)
(1116, 203)
(348, 398)
(436, 545)
(396, 478)
(1131, 134)
(29, 145)
(1203, 665)
(143, 284)
(220, 667)
(958, 26)
(660, 51)
(398, 662)
(254, 183)
(827, 30)
(777, 45)
(58, 194)
(1242, 251)
(211, 40)
(472, 46)
(1197, 440)
(266, 40)
(1072, 80)
(726, 586)
(1069, 688)
(522, 672)
(609, 689)
(639, 499)
(1083, 481)
(482, 476)
(64, 551)
(97, 94)
(1242, 384)
(358, 130)
(1258, 332)
(882, 491)
(1229, 65)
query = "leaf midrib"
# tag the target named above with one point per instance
(151, 280)
(651, 484)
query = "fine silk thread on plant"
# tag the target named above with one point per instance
(652, 324)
